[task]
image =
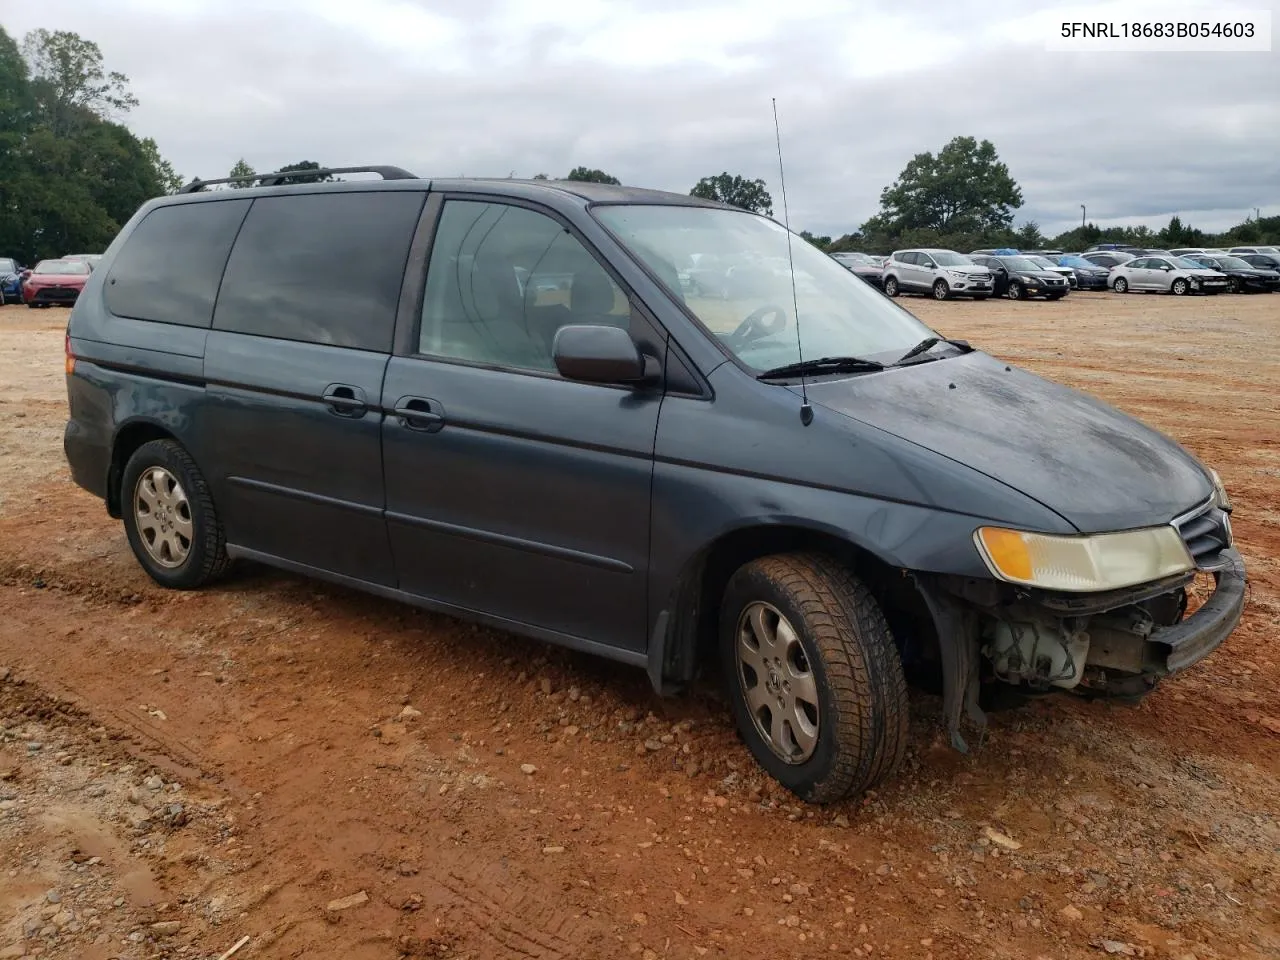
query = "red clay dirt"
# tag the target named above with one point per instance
(332, 775)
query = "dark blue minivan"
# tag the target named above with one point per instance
(505, 400)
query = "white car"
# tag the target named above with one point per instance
(1045, 263)
(1175, 275)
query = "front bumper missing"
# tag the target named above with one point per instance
(1128, 656)
(1203, 632)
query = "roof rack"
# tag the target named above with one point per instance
(275, 179)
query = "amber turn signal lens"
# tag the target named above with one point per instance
(1008, 552)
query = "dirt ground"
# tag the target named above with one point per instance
(331, 775)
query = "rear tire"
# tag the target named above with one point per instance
(940, 290)
(1121, 285)
(836, 681)
(890, 286)
(169, 517)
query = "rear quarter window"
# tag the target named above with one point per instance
(320, 268)
(171, 263)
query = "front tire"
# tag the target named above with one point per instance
(940, 290)
(890, 286)
(1015, 291)
(169, 517)
(1233, 285)
(1121, 285)
(1179, 287)
(815, 679)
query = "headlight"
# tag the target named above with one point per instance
(1031, 280)
(1220, 491)
(956, 273)
(1083, 564)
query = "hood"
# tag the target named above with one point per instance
(1039, 273)
(61, 278)
(1096, 467)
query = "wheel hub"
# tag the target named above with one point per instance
(778, 683)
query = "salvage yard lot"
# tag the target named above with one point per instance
(333, 775)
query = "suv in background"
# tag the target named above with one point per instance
(942, 273)
(504, 408)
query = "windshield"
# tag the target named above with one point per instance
(945, 258)
(8, 266)
(1020, 263)
(855, 258)
(745, 298)
(1043, 262)
(61, 266)
(1186, 263)
(1077, 262)
(1233, 263)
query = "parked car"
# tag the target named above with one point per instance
(942, 273)
(1107, 258)
(1089, 275)
(1263, 261)
(1174, 275)
(54, 282)
(10, 281)
(1045, 263)
(1019, 278)
(625, 472)
(1242, 276)
(862, 265)
(1266, 251)
(1050, 254)
(90, 258)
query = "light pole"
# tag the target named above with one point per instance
(1082, 216)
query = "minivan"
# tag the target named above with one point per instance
(495, 399)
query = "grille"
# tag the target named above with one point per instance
(1207, 532)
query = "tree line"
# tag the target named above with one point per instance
(71, 174)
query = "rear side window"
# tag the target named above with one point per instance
(169, 268)
(321, 268)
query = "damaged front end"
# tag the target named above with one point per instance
(1116, 643)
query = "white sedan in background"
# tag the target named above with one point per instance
(1176, 275)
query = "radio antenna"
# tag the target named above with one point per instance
(806, 411)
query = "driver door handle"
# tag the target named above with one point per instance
(344, 400)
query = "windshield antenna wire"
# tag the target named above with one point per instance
(806, 411)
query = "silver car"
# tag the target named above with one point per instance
(1176, 275)
(1053, 266)
(942, 273)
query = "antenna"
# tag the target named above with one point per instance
(806, 411)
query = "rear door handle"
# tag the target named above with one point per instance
(345, 400)
(420, 413)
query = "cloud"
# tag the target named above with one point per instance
(661, 93)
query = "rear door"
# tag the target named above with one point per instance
(301, 336)
(511, 491)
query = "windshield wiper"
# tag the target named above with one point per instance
(928, 344)
(821, 365)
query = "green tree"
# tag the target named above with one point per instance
(736, 191)
(169, 179)
(69, 81)
(301, 177)
(964, 189)
(585, 175)
(1029, 237)
(822, 243)
(242, 169)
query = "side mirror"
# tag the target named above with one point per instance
(595, 353)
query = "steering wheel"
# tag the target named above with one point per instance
(755, 326)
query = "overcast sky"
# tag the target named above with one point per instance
(662, 92)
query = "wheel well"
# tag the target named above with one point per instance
(908, 616)
(128, 440)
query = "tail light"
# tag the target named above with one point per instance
(71, 357)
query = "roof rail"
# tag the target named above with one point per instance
(274, 179)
